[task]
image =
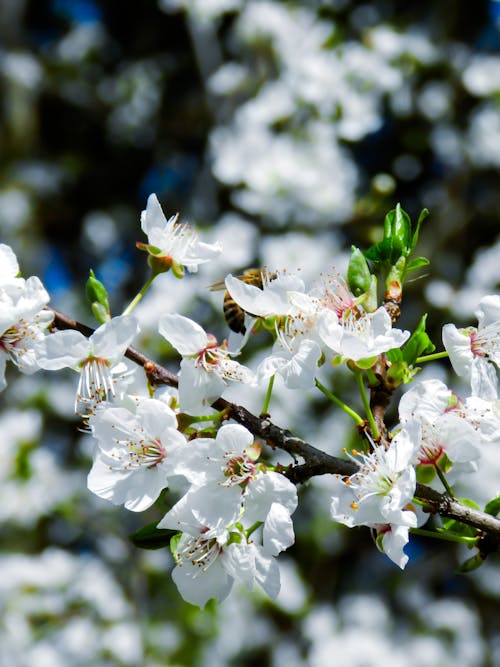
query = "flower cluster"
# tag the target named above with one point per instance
(23, 316)
(231, 513)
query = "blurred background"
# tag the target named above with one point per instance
(286, 130)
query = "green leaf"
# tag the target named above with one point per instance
(418, 344)
(470, 564)
(358, 273)
(383, 252)
(493, 506)
(395, 355)
(423, 214)
(151, 537)
(457, 528)
(469, 503)
(417, 263)
(402, 228)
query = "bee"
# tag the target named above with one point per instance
(234, 314)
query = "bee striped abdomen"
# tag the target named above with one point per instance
(233, 313)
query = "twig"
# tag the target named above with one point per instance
(315, 461)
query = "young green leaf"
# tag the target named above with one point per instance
(358, 273)
(470, 564)
(151, 537)
(493, 506)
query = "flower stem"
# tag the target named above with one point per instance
(253, 528)
(431, 357)
(214, 416)
(139, 295)
(447, 537)
(366, 404)
(354, 415)
(269, 392)
(444, 481)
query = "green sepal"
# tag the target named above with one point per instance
(174, 542)
(159, 263)
(425, 474)
(364, 364)
(493, 506)
(151, 537)
(236, 537)
(147, 247)
(378, 541)
(470, 564)
(400, 373)
(445, 465)
(177, 270)
(358, 273)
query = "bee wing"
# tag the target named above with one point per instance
(217, 286)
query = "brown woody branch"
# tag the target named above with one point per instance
(315, 461)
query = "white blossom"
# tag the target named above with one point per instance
(474, 352)
(96, 358)
(380, 492)
(297, 364)
(23, 318)
(227, 535)
(269, 300)
(138, 445)
(174, 241)
(447, 436)
(359, 335)
(206, 367)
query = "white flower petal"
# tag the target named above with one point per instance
(394, 540)
(112, 338)
(489, 311)
(458, 345)
(186, 336)
(197, 388)
(9, 267)
(198, 587)
(278, 532)
(153, 217)
(234, 438)
(63, 349)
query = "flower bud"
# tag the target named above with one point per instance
(98, 297)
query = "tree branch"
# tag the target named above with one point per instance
(315, 461)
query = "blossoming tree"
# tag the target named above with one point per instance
(235, 494)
